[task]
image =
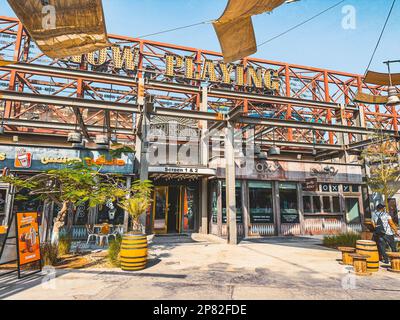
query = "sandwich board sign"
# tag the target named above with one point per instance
(22, 245)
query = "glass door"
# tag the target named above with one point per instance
(160, 210)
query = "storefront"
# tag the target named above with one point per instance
(291, 198)
(32, 160)
(176, 199)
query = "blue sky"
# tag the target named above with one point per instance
(320, 43)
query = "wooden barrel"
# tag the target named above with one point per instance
(370, 249)
(133, 255)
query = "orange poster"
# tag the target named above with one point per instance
(28, 237)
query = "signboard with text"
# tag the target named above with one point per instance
(43, 159)
(28, 238)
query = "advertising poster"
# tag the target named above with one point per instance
(28, 238)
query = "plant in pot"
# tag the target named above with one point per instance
(133, 255)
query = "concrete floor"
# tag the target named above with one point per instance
(200, 267)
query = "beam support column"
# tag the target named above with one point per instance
(231, 183)
(204, 157)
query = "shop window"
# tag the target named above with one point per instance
(189, 208)
(214, 202)
(288, 203)
(326, 201)
(317, 204)
(307, 204)
(353, 210)
(261, 207)
(336, 205)
(239, 211)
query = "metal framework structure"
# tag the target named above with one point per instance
(312, 109)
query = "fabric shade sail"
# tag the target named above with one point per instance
(370, 98)
(382, 79)
(6, 62)
(235, 28)
(63, 28)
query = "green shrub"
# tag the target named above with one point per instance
(342, 240)
(113, 251)
(64, 245)
(49, 254)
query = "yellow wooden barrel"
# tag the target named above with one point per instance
(133, 255)
(370, 249)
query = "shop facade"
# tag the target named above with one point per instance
(291, 198)
(28, 161)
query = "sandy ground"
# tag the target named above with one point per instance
(204, 267)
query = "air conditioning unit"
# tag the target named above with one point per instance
(75, 137)
(101, 140)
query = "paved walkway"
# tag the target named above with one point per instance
(201, 267)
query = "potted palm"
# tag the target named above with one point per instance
(133, 255)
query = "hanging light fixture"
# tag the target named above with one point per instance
(76, 136)
(274, 150)
(393, 98)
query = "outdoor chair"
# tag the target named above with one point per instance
(115, 233)
(104, 234)
(91, 235)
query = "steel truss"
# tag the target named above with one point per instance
(313, 107)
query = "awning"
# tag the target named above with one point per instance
(63, 28)
(235, 28)
(382, 79)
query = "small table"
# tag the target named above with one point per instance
(360, 264)
(395, 261)
(346, 255)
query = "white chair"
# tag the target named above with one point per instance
(115, 233)
(91, 235)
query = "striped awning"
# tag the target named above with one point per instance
(63, 28)
(235, 28)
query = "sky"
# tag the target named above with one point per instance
(322, 43)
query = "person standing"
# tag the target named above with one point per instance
(384, 232)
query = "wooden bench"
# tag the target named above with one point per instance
(346, 255)
(360, 264)
(395, 261)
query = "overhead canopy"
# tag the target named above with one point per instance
(235, 28)
(63, 28)
(382, 79)
(5, 62)
(370, 99)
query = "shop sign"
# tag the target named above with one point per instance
(268, 167)
(261, 215)
(311, 185)
(183, 170)
(328, 171)
(43, 159)
(28, 238)
(290, 216)
(23, 159)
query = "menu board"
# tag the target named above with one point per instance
(290, 216)
(261, 215)
(28, 238)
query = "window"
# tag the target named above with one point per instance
(307, 204)
(288, 203)
(239, 212)
(336, 205)
(317, 204)
(214, 201)
(326, 201)
(353, 210)
(261, 207)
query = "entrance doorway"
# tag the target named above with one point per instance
(174, 209)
